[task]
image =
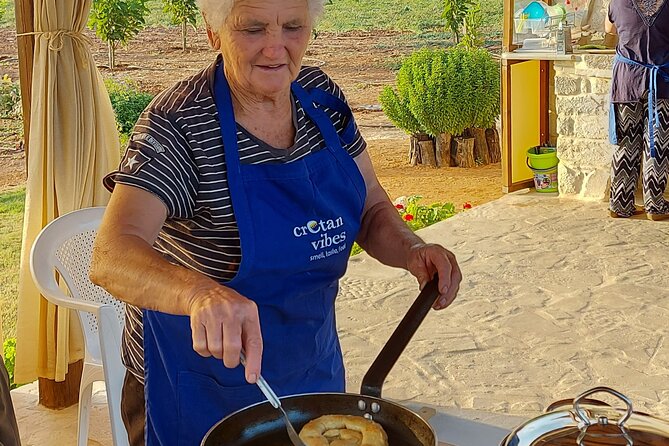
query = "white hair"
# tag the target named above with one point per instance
(217, 11)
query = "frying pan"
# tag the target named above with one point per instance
(262, 425)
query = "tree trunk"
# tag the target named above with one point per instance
(494, 150)
(111, 55)
(464, 153)
(480, 146)
(443, 149)
(184, 31)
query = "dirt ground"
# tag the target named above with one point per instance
(360, 62)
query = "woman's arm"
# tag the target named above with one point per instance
(125, 264)
(387, 238)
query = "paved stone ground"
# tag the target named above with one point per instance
(557, 298)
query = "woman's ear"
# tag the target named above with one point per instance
(212, 36)
(214, 39)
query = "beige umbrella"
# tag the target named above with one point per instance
(73, 143)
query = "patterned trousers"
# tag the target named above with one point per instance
(632, 130)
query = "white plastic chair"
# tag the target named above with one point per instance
(64, 247)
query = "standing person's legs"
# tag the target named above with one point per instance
(655, 169)
(626, 162)
(9, 431)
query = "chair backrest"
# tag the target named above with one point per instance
(65, 246)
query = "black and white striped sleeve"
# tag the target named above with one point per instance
(159, 160)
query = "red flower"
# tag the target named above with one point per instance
(399, 206)
(467, 205)
(408, 217)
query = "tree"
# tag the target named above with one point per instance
(116, 22)
(454, 14)
(471, 36)
(182, 12)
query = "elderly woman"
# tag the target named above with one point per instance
(231, 221)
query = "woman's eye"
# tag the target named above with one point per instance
(293, 28)
(253, 30)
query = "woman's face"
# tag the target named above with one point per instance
(263, 42)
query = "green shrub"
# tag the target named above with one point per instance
(396, 107)
(445, 91)
(128, 103)
(9, 356)
(418, 216)
(10, 98)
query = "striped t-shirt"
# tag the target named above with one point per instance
(176, 153)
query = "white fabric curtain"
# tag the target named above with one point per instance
(73, 144)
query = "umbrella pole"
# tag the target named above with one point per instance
(24, 10)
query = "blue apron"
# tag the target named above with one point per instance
(297, 223)
(653, 118)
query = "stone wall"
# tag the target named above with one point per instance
(582, 107)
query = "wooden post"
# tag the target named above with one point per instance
(494, 150)
(59, 395)
(443, 149)
(480, 146)
(24, 12)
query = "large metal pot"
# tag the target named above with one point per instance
(588, 422)
(262, 425)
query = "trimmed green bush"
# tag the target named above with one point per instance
(128, 103)
(396, 106)
(445, 91)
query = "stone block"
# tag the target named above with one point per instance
(565, 125)
(592, 127)
(599, 61)
(596, 184)
(585, 85)
(600, 86)
(582, 105)
(585, 153)
(569, 180)
(567, 85)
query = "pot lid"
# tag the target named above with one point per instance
(588, 422)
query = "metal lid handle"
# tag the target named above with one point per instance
(608, 390)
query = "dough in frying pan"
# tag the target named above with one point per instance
(343, 430)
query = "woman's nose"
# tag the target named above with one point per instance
(275, 45)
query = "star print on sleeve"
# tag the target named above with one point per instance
(133, 161)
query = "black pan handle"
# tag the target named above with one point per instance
(390, 353)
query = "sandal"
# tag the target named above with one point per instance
(657, 217)
(637, 211)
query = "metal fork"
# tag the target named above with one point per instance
(276, 402)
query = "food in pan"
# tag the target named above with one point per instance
(343, 430)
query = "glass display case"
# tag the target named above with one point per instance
(540, 27)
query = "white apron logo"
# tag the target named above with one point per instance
(326, 238)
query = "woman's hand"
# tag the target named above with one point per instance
(427, 259)
(224, 322)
